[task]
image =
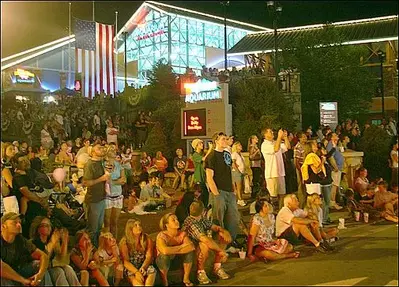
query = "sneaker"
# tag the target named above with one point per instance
(222, 274)
(241, 202)
(232, 249)
(327, 246)
(321, 249)
(203, 278)
(334, 205)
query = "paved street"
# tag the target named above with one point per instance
(366, 255)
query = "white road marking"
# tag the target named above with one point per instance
(347, 282)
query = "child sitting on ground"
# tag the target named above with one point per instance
(110, 262)
(314, 208)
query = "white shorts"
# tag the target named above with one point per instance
(276, 185)
(114, 202)
(336, 177)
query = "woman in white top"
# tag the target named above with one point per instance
(238, 172)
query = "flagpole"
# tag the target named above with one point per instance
(93, 11)
(116, 47)
(69, 44)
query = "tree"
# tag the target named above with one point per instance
(156, 140)
(375, 143)
(257, 104)
(330, 73)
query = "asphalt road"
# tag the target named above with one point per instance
(366, 254)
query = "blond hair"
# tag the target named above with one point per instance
(235, 145)
(311, 206)
(102, 239)
(164, 220)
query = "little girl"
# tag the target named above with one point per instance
(315, 211)
(110, 263)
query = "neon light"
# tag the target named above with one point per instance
(24, 77)
(202, 90)
(210, 16)
(150, 35)
(37, 48)
(37, 54)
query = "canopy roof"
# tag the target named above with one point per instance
(352, 32)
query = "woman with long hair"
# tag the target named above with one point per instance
(238, 172)
(110, 262)
(55, 244)
(136, 249)
(255, 157)
(85, 260)
(113, 199)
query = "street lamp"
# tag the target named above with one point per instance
(381, 56)
(225, 4)
(275, 10)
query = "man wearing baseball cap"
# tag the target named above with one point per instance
(21, 262)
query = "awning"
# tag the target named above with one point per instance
(353, 32)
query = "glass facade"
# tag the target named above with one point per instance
(179, 40)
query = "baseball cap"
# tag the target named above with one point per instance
(9, 216)
(195, 143)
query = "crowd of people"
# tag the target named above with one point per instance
(295, 181)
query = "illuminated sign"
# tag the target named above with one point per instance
(202, 90)
(24, 77)
(194, 123)
(329, 114)
(146, 36)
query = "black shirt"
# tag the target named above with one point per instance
(93, 170)
(17, 253)
(220, 163)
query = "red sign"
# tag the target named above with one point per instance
(194, 123)
(160, 32)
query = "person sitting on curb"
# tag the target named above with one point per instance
(172, 242)
(261, 242)
(292, 224)
(197, 227)
(137, 251)
(110, 262)
(386, 200)
(85, 260)
(22, 263)
(152, 195)
(314, 209)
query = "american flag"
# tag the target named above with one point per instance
(94, 54)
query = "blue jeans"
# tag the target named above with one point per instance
(163, 261)
(225, 212)
(26, 271)
(326, 192)
(64, 276)
(95, 219)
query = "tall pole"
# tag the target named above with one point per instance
(94, 11)
(69, 43)
(382, 83)
(275, 50)
(225, 3)
(125, 34)
(116, 47)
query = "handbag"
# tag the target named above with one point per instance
(313, 188)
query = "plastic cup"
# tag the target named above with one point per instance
(242, 254)
(366, 217)
(341, 224)
(357, 215)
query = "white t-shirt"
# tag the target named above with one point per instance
(394, 164)
(96, 120)
(274, 164)
(111, 138)
(284, 218)
(239, 161)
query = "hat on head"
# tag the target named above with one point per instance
(195, 143)
(9, 216)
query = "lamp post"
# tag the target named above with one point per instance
(225, 4)
(381, 56)
(275, 10)
(125, 39)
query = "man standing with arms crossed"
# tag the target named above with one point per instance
(218, 175)
(272, 151)
(337, 161)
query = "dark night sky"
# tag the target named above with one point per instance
(25, 25)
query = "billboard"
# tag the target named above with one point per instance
(329, 114)
(194, 123)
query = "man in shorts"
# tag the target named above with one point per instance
(272, 151)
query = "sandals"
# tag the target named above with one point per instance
(188, 284)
